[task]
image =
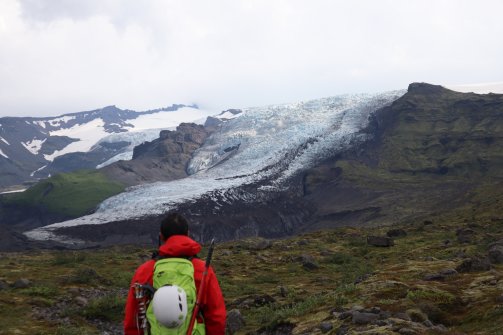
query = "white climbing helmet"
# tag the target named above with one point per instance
(170, 306)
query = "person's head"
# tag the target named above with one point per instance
(173, 224)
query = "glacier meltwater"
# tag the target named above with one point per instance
(278, 140)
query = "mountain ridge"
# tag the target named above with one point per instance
(367, 184)
(33, 147)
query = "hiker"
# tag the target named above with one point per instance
(178, 247)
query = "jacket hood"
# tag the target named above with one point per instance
(179, 245)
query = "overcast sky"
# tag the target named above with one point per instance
(63, 56)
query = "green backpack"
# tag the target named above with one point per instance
(179, 272)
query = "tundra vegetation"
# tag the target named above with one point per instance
(437, 277)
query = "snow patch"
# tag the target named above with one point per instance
(3, 154)
(60, 120)
(87, 134)
(170, 119)
(40, 123)
(33, 173)
(34, 145)
(14, 191)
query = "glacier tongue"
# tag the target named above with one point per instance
(263, 142)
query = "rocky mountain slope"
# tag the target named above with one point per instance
(165, 158)
(32, 148)
(70, 195)
(431, 151)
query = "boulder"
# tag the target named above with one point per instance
(258, 244)
(440, 329)
(235, 321)
(465, 235)
(22, 283)
(226, 253)
(360, 318)
(402, 316)
(396, 233)
(345, 315)
(474, 264)
(253, 301)
(428, 323)
(380, 241)
(325, 327)
(308, 262)
(434, 277)
(362, 278)
(342, 330)
(283, 291)
(448, 272)
(81, 301)
(281, 328)
(496, 254)
(373, 310)
(440, 275)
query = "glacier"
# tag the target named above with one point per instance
(268, 144)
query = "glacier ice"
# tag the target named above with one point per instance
(278, 140)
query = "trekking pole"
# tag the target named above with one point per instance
(202, 286)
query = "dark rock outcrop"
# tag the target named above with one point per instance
(163, 159)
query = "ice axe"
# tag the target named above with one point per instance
(202, 286)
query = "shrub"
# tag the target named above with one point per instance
(83, 276)
(433, 296)
(69, 258)
(107, 308)
(340, 258)
(40, 291)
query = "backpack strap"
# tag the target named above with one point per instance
(158, 257)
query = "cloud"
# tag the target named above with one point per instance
(63, 56)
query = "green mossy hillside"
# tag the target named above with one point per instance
(435, 130)
(70, 194)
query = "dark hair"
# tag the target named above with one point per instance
(174, 224)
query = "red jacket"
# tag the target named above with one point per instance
(212, 306)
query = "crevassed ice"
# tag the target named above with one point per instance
(279, 140)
